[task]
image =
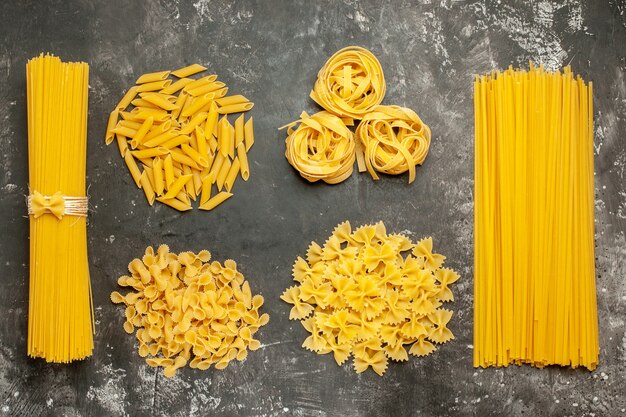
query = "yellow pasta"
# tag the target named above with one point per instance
(60, 306)
(176, 136)
(321, 147)
(215, 201)
(372, 295)
(186, 310)
(394, 140)
(152, 77)
(534, 263)
(235, 108)
(350, 84)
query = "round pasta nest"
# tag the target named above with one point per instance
(372, 295)
(350, 83)
(188, 310)
(321, 147)
(395, 140)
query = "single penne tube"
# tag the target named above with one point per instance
(200, 82)
(206, 88)
(231, 141)
(112, 123)
(235, 108)
(155, 113)
(197, 104)
(192, 138)
(141, 132)
(195, 155)
(190, 189)
(179, 156)
(211, 120)
(223, 136)
(189, 70)
(153, 86)
(168, 168)
(158, 130)
(159, 101)
(147, 187)
(169, 97)
(128, 123)
(176, 86)
(233, 172)
(197, 181)
(201, 145)
(216, 166)
(157, 172)
(175, 187)
(175, 141)
(221, 175)
(126, 115)
(133, 168)
(150, 174)
(122, 144)
(206, 190)
(180, 104)
(243, 161)
(221, 92)
(215, 201)
(124, 131)
(195, 121)
(150, 153)
(182, 196)
(152, 77)
(127, 99)
(139, 102)
(248, 133)
(229, 100)
(239, 130)
(161, 139)
(174, 203)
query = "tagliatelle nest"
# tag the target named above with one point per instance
(372, 295)
(189, 310)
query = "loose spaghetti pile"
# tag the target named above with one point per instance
(390, 139)
(188, 310)
(371, 294)
(60, 311)
(534, 285)
(175, 132)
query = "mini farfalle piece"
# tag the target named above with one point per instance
(371, 295)
(187, 311)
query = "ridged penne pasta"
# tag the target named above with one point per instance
(173, 129)
(215, 201)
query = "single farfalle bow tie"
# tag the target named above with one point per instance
(41, 204)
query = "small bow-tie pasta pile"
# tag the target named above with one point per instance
(389, 139)
(174, 131)
(188, 310)
(372, 295)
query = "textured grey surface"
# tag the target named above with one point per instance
(270, 51)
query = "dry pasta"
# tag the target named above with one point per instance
(534, 265)
(321, 147)
(372, 295)
(60, 310)
(350, 84)
(182, 127)
(394, 140)
(389, 139)
(186, 310)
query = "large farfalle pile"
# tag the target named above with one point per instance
(389, 139)
(372, 295)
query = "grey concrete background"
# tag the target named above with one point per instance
(270, 51)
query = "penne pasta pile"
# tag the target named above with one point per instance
(179, 134)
